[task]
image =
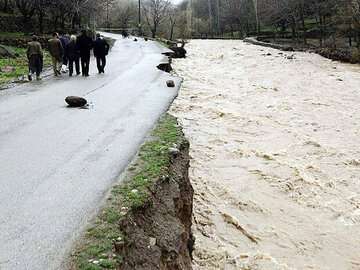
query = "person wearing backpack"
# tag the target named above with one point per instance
(101, 50)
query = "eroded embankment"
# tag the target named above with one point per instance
(146, 223)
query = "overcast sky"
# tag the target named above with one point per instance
(176, 1)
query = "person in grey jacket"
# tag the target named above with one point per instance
(35, 57)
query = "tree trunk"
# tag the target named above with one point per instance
(41, 21)
(303, 24)
(79, 21)
(293, 28)
(172, 31)
(73, 22)
(210, 17)
(55, 23)
(27, 24)
(63, 22)
(6, 6)
(321, 31)
(218, 26)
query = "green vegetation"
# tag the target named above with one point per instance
(20, 65)
(12, 34)
(96, 251)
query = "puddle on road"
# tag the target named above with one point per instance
(275, 157)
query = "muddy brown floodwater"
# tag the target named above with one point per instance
(275, 157)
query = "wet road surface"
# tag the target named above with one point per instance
(58, 163)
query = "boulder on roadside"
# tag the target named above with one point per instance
(74, 101)
(178, 52)
(170, 83)
(165, 67)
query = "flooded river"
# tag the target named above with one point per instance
(275, 147)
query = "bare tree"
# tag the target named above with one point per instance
(27, 9)
(155, 11)
(172, 20)
(6, 5)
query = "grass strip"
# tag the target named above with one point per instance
(95, 252)
(20, 65)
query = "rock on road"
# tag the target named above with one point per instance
(57, 163)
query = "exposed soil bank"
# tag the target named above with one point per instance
(158, 234)
(341, 55)
(146, 223)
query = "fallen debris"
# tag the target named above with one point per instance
(74, 101)
(170, 83)
(233, 221)
(177, 51)
(291, 57)
(165, 67)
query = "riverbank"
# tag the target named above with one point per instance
(345, 55)
(146, 221)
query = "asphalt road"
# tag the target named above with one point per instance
(57, 163)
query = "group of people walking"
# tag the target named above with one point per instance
(69, 52)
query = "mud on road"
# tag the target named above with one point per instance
(275, 159)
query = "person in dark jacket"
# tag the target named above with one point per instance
(84, 44)
(101, 49)
(64, 39)
(73, 54)
(35, 56)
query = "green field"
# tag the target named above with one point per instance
(20, 63)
